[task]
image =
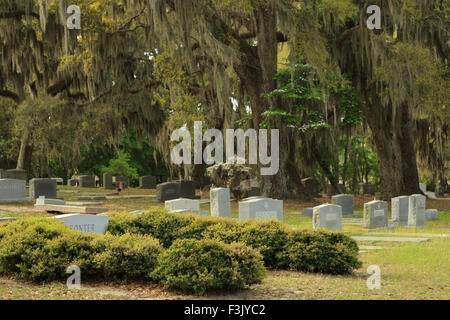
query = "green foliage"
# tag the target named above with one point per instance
(321, 252)
(201, 266)
(126, 257)
(121, 166)
(279, 248)
(41, 250)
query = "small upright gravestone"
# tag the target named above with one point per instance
(42, 187)
(12, 190)
(86, 223)
(108, 181)
(376, 214)
(261, 208)
(147, 182)
(346, 201)
(416, 211)
(220, 202)
(328, 216)
(431, 214)
(3, 174)
(399, 209)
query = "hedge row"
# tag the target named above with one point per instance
(41, 250)
(318, 251)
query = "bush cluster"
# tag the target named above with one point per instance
(318, 251)
(41, 250)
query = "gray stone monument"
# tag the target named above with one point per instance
(187, 189)
(308, 212)
(108, 181)
(416, 211)
(42, 201)
(167, 191)
(328, 216)
(220, 202)
(346, 201)
(86, 223)
(431, 214)
(261, 208)
(42, 187)
(73, 182)
(147, 182)
(399, 208)
(3, 174)
(376, 214)
(12, 190)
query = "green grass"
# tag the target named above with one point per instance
(408, 270)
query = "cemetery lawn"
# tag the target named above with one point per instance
(409, 270)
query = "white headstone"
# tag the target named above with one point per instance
(328, 216)
(416, 210)
(399, 207)
(376, 214)
(12, 190)
(42, 201)
(220, 202)
(86, 223)
(182, 204)
(261, 208)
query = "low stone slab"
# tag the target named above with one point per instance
(45, 201)
(137, 212)
(91, 198)
(261, 208)
(17, 174)
(182, 204)
(83, 204)
(371, 247)
(7, 219)
(431, 214)
(429, 235)
(390, 239)
(431, 195)
(71, 209)
(86, 223)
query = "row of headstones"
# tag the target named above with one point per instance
(250, 208)
(407, 210)
(13, 190)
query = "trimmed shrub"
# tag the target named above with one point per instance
(201, 266)
(157, 223)
(321, 252)
(41, 250)
(126, 257)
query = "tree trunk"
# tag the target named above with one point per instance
(396, 155)
(25, 153)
